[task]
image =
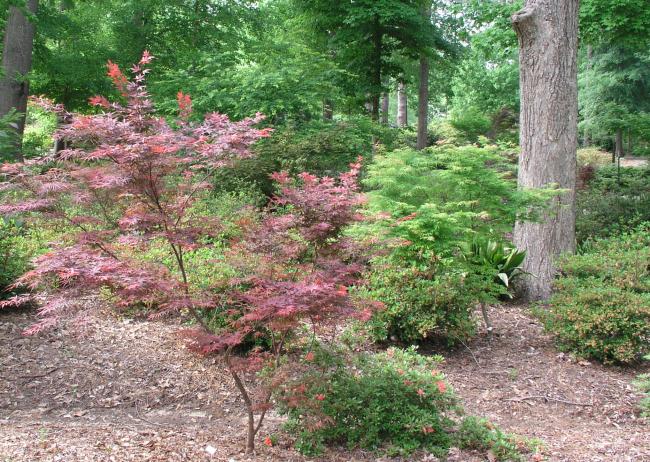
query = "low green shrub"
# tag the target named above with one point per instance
(39, 127)
(643, 385)
(482, 435)
(19, 243)
(395, 401)
(601, 305)
(613, 202)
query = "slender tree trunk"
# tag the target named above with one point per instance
(402, 105)
(328, 109)
(548, 41)
(423, 92)
(590, 51)
(16, 63)
(620, 150)
(377, 38)
(384, 108)
(629, 142)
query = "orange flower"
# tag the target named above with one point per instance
(309, 356)
(320, 397)
(268, 441)
(427, 430)
(421, 392)
(442, 386)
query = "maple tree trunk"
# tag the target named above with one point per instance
(16, 63)
(423, 92)
(547, 31)
(402, 105)
(384, 108)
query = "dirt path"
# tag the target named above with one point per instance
(125, 391)
(583, 412)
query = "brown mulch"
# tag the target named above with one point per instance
(127, 391)
(582, 410)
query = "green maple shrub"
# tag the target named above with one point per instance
(431, 205)
(601, 305)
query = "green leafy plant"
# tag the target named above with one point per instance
(505, 261)
(643, 385)
(429, 205)
(396, 400)
(601, 305)
(481, 434)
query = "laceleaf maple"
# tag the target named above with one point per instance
(129, 178)
(300, 269)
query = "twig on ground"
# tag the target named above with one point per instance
(548, 398)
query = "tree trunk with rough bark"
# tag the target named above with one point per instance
(590, 51)
(384, 108)
(547, 31)
(16, 63)
(402, 105)
(423, 92)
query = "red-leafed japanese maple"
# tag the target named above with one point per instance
(129, 178)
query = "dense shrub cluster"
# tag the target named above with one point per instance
(431, 205)
(643, 385)
(397, 401)
(601, 306)
(612, 202)
(323, 148)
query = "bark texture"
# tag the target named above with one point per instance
(384, 108)
(16, 63)
(423, 93)
(547, 31)
(402, 105)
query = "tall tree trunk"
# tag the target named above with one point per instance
(377, 38)
(16, 63)
(590, 51)
(548, 41)
(423, 91)
(328, 109)
(384, 108)
(620, 151)
(402, 105)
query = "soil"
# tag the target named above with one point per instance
(123, 390)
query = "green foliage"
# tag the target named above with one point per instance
(601, 306)
(395, 400)
(505, 261)
(322, 148)
(480, 434)
(19, 243)
(613, 202)
(8, 137)
(471, 122)
(643, 385)
(433, 204)
(37, 139)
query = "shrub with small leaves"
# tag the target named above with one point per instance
(396, 400)
(481, 434)
(601, 305)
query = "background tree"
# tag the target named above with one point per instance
(548, 42)
(16, 63)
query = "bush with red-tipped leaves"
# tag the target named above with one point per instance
(128, 178)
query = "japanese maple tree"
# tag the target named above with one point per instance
(128, 178)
